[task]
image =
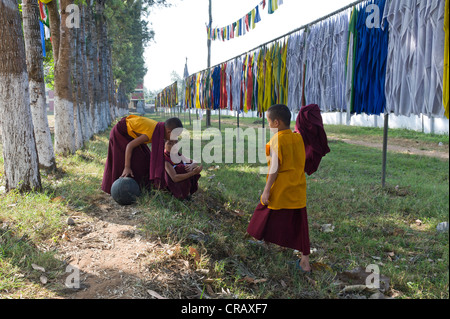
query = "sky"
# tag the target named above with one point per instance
(180, 32)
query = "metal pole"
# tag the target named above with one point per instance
(385, 141)
(238, 123)
(208, 111)
(264, 119)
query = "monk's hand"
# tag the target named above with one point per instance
(265, 198)
(190, 167)
(197, 169)
(127, 172)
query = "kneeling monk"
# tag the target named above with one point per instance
(182, 174)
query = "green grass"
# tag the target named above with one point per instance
(370, 221)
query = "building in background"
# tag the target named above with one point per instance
(49, 100)
(137, 99)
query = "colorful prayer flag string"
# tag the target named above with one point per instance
(244, 24)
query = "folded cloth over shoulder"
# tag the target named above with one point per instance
(310, 125)
(157, 170)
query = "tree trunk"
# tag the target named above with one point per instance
(30, 11)
(111, 87)
(87, 119)
(64, 116)
(92, 54)
(102, 61)
(20, 156)
(75, 78)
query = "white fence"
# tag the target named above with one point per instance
(420, 123)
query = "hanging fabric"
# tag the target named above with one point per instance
(216, 79)
(351, 58)
(340, 42)
(295, 62)
(414, 78)
(43, 11)
(370, 64)
(346, 61)
(41, 27)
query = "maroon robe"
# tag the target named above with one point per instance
(144, 163)
(285, 227)
(183, 189)
(157, 169)
(310, 125)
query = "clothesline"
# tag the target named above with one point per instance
(358, 62)
(168, 97)
(291, 32)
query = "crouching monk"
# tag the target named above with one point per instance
(182, 174)
(130, 156)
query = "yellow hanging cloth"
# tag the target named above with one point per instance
(268, 80)
(197, 93)
(261, 75)
(283, 79)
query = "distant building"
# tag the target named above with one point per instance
(137, 96)
(49, 100)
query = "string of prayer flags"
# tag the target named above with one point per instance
(273, 5)
(241, 26)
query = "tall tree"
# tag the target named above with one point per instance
(92, 66)
(33, 48)
(129, 34)
(64, 115)
(75, 72)
(19, 145)
(84, 90)
(102, 62)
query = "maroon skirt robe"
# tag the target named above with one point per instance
(183, 189)
(147, 167)
(285, 227)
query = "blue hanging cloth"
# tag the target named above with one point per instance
(370, 66)
(257, 16)
(41, 27)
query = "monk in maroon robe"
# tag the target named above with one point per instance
(182, 174)
(129, 155)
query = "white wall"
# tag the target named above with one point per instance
(417, 123)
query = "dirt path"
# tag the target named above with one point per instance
(401, 146)
(116, 261)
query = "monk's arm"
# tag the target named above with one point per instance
(176, 178)
(272, 176)
(129, 152)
